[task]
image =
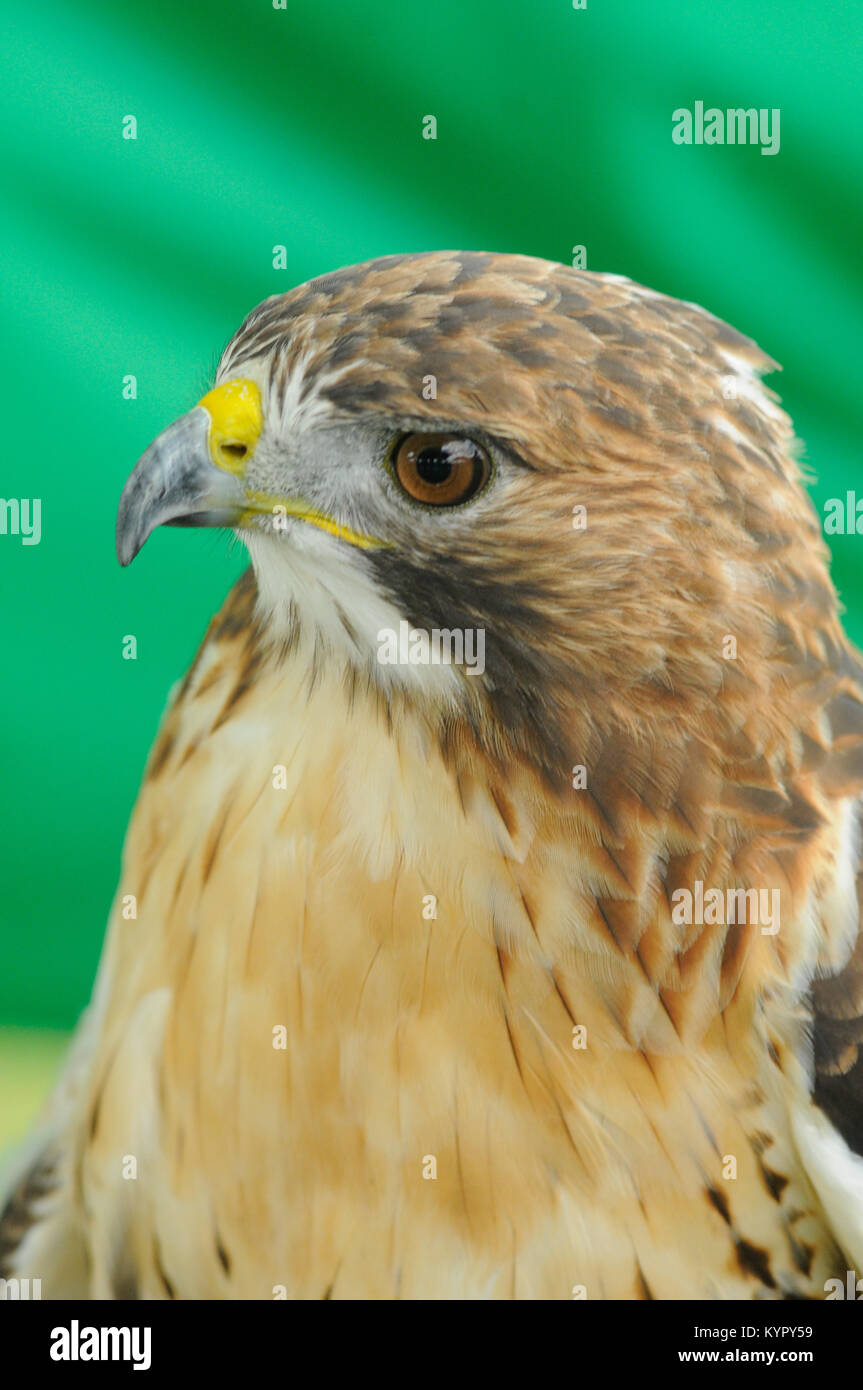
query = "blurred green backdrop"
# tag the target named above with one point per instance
(258, 126)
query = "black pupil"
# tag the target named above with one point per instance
(433, 466)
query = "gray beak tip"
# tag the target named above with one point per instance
(174, 483)
(129, 536)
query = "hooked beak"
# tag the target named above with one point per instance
(191, 473)
(194, 474)
(175, 484)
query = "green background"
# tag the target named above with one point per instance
(302, 126)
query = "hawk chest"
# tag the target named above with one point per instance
(340, 1051)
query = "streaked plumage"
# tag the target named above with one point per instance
(302, 905)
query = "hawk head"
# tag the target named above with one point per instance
(585, 472)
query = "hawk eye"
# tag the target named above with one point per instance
(441, 470)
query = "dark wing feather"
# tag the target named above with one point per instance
(21, 1209)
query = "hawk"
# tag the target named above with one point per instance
(531, 978)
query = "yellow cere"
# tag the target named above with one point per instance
(236, 420)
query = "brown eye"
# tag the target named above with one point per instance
(440, 469)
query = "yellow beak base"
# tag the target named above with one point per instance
(236, 421)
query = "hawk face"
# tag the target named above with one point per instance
(588, 474)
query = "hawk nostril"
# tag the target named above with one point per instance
(235, 450)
